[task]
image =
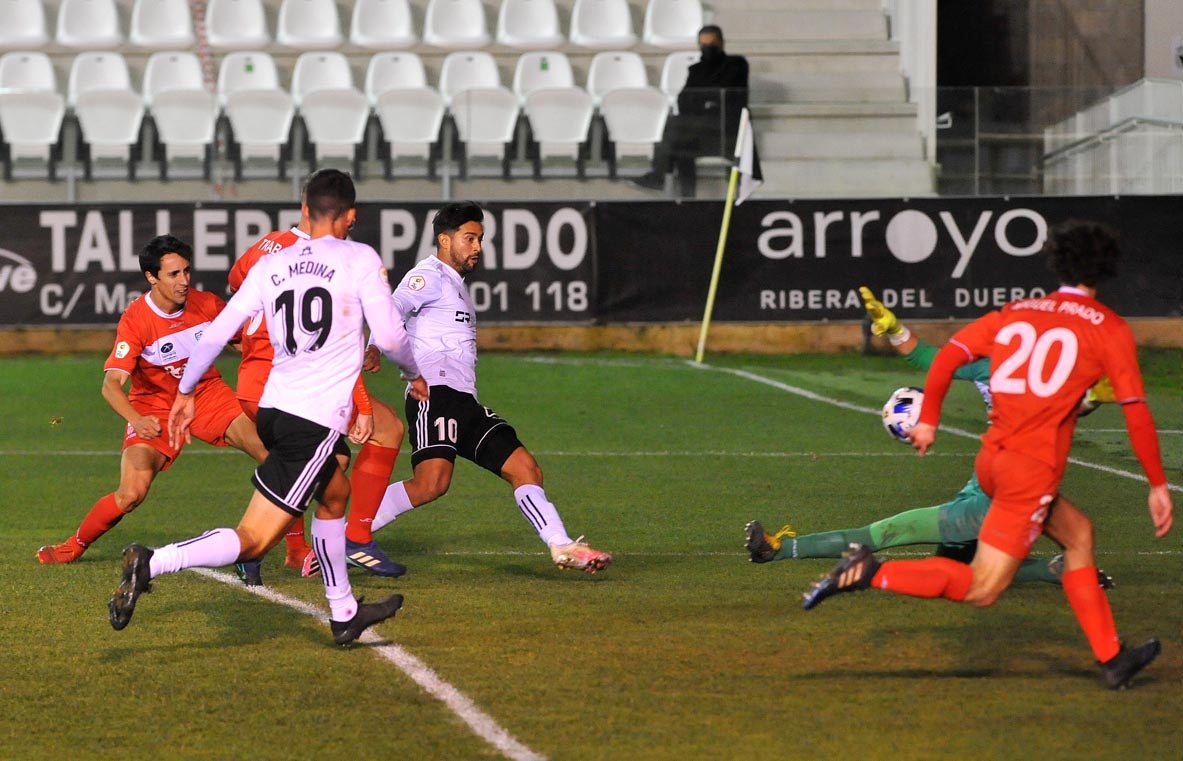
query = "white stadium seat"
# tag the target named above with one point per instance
(465, 70)
(410, 118)
(336, 124)
(672, 23)
(261, 123)
(486, 119)
(22, 71)
(540, 69)
(246, 70)
(24, 26)
(615, 69)
(560, 121)
(185, 126)
(674, 71)
(635, 118)
(90, 24)
(602, 24)
(456, 24)
(308, 24)
(529, 24)
(328, 70)
(171, 70)
(236, 24)
(97, 71)
(393, 71)
(161, 25)
(382, 25)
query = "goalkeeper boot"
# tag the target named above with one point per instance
(761, 545)
(579, 556)
(66, 552)
(371, 557)
(250, 572)
(137, 580)
(1119, 671)
(366, 616)
(853, 572)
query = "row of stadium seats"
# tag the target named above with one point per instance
(374, 25)
(258, 112)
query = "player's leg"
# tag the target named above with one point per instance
(368, 481)
(138, 466)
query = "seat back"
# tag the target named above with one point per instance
(390, 71)
(24, 25)
(90, 24)
(540, 69)
(382, 24)
(27, 72)
(171, 70)
(31, 121)
(110, 121)
(674, 71)
(455, 24)
(486, 119)
(529, 24)
(410, 116)
(325, 70)
(560, 119)
(466, 70)
(246, 70)
(261, 120)
(602, 24)
(185, 118)
(97, 71)
(635, 119)
(161, 24)
(308, 24)
(672, 23)
(236, 24)
(614, 69)
(336, 121)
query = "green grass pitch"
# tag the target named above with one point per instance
(682, 650)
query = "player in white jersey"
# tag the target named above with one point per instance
(441, 322)
(314, 295)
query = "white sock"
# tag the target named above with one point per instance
(213, 549)
(541, 513)
(395, 502)
(328, 542)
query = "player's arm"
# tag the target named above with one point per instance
(215, 337)
(387, 331)
(1144, 440)
(968, 344)
(915, 350)
(114, 392)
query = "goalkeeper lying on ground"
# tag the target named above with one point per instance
(953, 526)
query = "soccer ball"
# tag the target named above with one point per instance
(902, 412)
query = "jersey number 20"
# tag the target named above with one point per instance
(1033, 351)
(315, 316)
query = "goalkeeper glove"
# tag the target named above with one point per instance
(883, 322)
(1100, 393)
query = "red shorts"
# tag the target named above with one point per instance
(1021, 489)
(217, 408)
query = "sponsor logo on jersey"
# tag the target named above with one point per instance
(416, 283)
(121, 349)
(463, 316)
(167, 348)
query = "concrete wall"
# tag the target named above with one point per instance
(1164, 39)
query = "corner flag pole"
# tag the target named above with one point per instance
(723, 229)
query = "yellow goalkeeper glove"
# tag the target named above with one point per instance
(883, 322)
(1100, 393)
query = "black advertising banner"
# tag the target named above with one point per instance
(78, 266)
(786, 261)
(926, 258)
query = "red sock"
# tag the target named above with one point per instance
(931, 577)
(101, 519)
(367, 484)
(1091, 607)
(296, 544)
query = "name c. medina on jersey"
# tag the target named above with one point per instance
(306, 267)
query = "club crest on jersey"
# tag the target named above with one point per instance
(121, 349)
(416, 283)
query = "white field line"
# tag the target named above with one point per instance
(857, 408)
(481, 723)
(540, 452)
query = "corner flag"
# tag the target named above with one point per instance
(747, 160)
(745, 177)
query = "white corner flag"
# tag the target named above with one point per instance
(747, 160)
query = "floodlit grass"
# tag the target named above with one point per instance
(682, 650)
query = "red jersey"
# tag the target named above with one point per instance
(257, 351)
(153, 347)
(1045, 353)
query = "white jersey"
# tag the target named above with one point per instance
(441, 323)
(315, 296)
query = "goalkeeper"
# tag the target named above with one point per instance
(953, 526)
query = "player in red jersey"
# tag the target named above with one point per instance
(153, 341)
(1045, 353)
(370, 474)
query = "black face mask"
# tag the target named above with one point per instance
(711, 53)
